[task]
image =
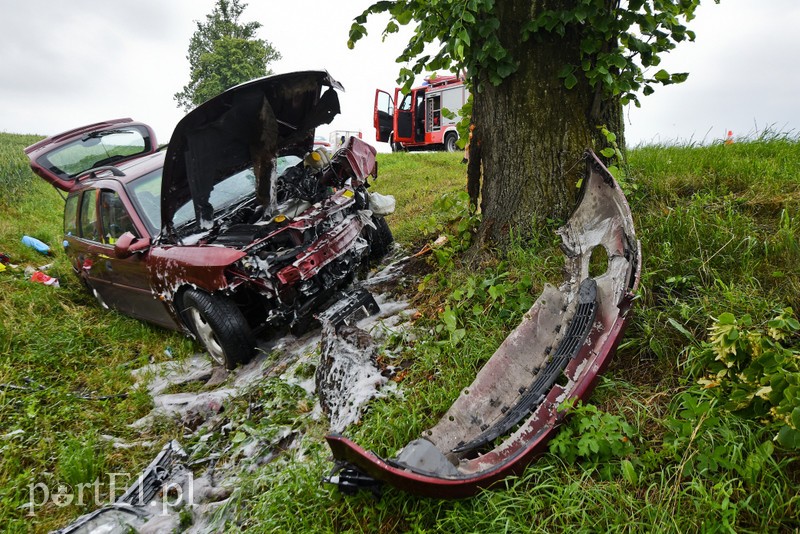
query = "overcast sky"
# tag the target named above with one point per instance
(66, 64)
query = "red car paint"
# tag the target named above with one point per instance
(443, 462)
(145, 228)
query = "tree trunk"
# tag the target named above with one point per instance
(533, 131)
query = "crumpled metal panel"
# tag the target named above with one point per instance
(504, 419)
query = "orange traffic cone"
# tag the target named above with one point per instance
(729, 139)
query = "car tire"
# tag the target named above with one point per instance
(380, 238)
(219, 326)
(450, 139)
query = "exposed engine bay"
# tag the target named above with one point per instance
(296, 255)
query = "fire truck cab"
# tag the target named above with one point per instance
(417, 121)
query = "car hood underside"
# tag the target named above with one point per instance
(246, 126)
(504, 419)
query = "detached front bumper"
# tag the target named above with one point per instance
(504, 419)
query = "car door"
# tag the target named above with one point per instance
(130, 291)
(86, 248)
(383, 116)
(404, 120)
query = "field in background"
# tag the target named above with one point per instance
(720, 234)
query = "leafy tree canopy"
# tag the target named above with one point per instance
(620, 39)
(224, 52)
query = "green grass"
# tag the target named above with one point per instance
(417, 180)
(719, 229)
(60, 346)
(719, 233)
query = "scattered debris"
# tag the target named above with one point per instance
(142, 505)
(35, 244)
(221, 441)
(41, 278)
(347, 376)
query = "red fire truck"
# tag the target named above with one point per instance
(418, 122)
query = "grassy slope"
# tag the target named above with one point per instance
(61, 340)
(719, 233)
(713, 240)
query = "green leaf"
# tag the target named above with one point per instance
(629, 472)
(403, 17)
(726, 318)
(464, 36)
(680, 328)
(789, 438)
(796, 417)
(449, 318)
(570, 81)
(662, 76)
(679, 77)
(619, 61)
(458, 335)
(608, 152)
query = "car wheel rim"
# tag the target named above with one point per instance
(207, 336)
(99, 299)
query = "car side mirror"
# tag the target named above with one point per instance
(128, 244)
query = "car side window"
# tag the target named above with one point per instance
(114, 217)
(88, 220)
(71, 215)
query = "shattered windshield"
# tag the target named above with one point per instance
(237, 188)
(97, 149)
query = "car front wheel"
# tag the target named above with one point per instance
(380, 238)
(220, 326)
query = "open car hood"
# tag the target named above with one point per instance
(246, 126)
(504, 419)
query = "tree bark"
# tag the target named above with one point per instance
(533, 131)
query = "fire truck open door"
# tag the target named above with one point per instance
(383, 116)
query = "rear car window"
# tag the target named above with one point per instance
(97, 149)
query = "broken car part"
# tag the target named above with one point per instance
(140, 502)
(505, 418)
(239, 227)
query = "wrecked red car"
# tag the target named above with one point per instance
(238, 226)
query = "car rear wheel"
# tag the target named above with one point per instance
(220, 326)
(450, 142)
